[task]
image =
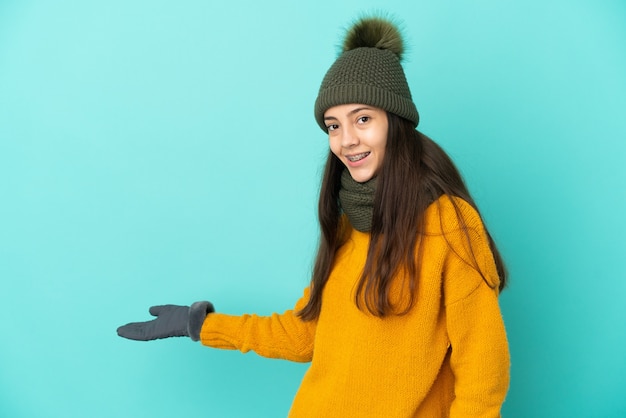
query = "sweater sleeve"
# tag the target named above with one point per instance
(283, 336)
(480, 355)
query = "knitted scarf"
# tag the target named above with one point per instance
(357, 201)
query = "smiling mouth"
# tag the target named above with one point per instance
(357, 157)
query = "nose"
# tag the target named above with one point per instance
(349, 138)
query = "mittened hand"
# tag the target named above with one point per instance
(170, 321)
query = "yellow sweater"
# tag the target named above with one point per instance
(447, 357)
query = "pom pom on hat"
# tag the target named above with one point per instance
(374, 32)
(368, 71)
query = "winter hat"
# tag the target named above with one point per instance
(368, 71)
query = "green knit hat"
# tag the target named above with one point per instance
(368, 71)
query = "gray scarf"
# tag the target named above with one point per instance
(357, 201)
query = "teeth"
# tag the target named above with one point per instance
(358, 157)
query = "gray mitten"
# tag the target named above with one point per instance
(171, 321)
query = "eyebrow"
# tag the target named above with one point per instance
(350, 113)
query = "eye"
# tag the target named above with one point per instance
(363, 119)
(331, 127)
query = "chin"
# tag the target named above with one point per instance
(361, 177)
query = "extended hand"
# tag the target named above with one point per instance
(170, 321)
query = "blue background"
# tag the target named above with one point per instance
(165, 152)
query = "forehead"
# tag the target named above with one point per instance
(349, 109)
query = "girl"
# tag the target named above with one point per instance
(401, 318)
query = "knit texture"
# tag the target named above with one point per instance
(357, 201)
(368, 76)
(447, 357)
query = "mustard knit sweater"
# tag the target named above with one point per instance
(447, 357)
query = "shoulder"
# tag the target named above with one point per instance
(449, 213)
(461, 231)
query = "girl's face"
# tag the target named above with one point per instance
(358, 136)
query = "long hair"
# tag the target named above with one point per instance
(415, 172)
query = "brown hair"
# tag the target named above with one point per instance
(415, 173)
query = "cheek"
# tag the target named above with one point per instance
(381, 143)
(335, 148)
